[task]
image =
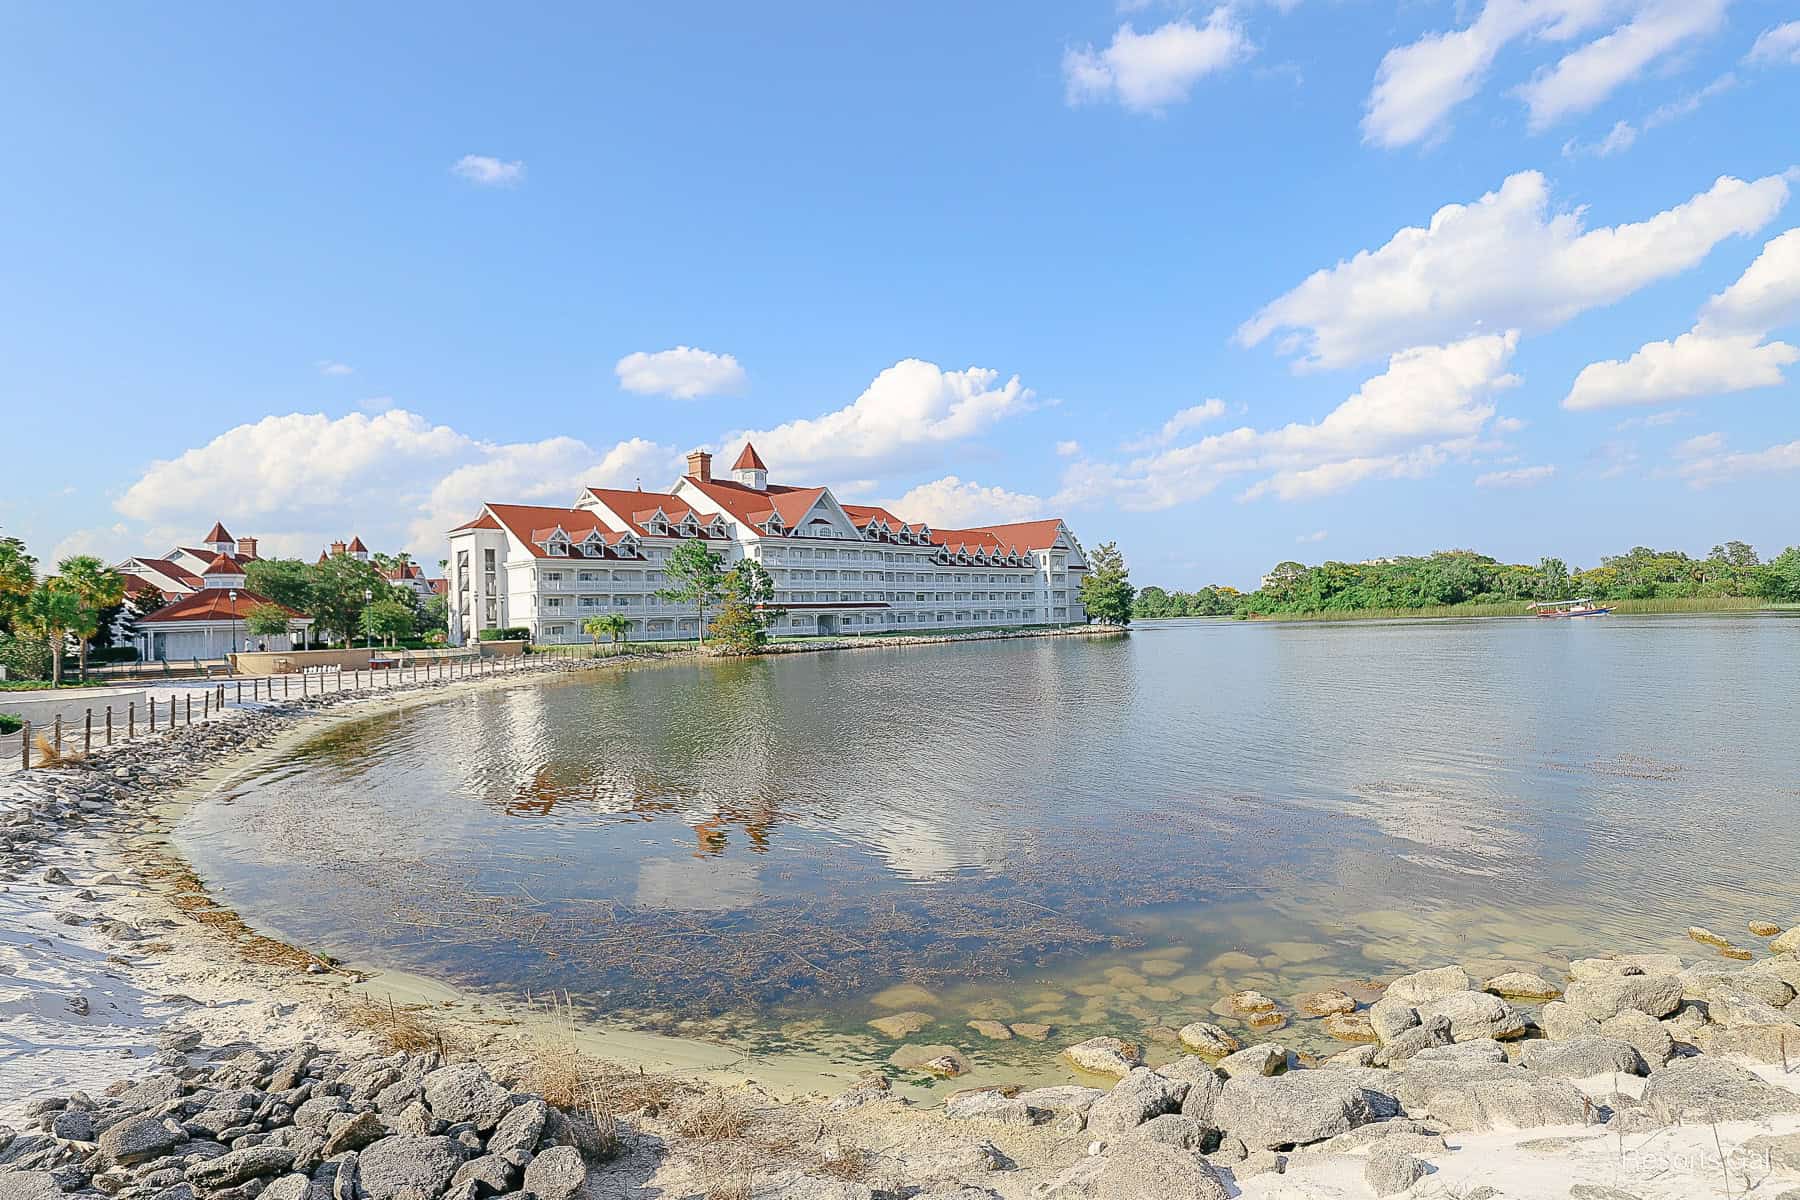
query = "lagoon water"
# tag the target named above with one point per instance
(1103, 834)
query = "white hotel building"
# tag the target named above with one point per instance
(838, 568)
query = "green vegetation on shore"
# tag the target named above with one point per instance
(1462, 583)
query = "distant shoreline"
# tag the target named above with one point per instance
(1666, 606)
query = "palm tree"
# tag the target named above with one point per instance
(18, 575)
(51, 612)
(98, 587)
(611, 623)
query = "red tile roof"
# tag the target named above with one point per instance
(137, 583)
(753, 506)
(223, 564)
(175, 571)
(356, 546)
(484, 521)
(1026, 535)
(218, 534)
(528, 521)
(749, 460)
(635, 507)
(214, 604)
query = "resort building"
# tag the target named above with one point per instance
(208, 622)
(179, 571)
(838, 568)
(404, 572)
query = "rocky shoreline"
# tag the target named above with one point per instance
(161, 1051)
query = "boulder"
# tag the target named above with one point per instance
(241, 1166)
(1705, 1089)
(1264, 1058)
(1391, 1170)
(464, 1092)
(1479, 1099)
(1142, 1094)
(995, 1031)
(138, 1139)
(1421, 986)
(556, 1174)
(1391, 1016)
(1350, 1027)
(989, 1105)
(1061, 1100)
(1250, 1002)
(288, 1187)
(1105, 1056)
(1203, 1037)
(946, 1062)
(1136, 1169)
(1601, 999)
(1474, 1015)
(1560, 1020)
(1602, 968)
(901, 1024)
(41, 1185)
(1485, 1050)
(408, 1164)
(491, 1174)
(1736, 1009)
(1522, 985)
(1174, 1129)
(1324, 1004)
(1643, 1032)
(520, 1128)
(1412, 1041)
(363, 1129)
(1787, 943)
(1583, 1058)
(1269, 1112)
(1203, 1085)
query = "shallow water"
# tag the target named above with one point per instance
(1068, 831)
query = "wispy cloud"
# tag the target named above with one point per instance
(489, 171)
(685, 373)
(328, 366)
(1779, 46)
(1518, 477)
(1317, 535)
(1147, 72)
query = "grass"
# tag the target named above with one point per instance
(40, 685)
(1685, 604)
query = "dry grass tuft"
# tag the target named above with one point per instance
(715, 1117)
(187, 893)
(397, 1027)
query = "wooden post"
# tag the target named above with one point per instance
(25, 746)
(287, 681)
(87, 734)
(205, 705)
(152, 714)
(109, 724)
(57, 738)
(130, 720)
(189, 698)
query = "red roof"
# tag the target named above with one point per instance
(356, 546)
(635, 507)
(137, 583)
(215, 604)
(218, 534)
(527, 520)
(752, 506)
(1026, 535)
(484, 521)
(175, 571)
(223, 564)
(749, 460)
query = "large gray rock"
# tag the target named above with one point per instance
(1482, 1098)
(1560, 1020)
(241, 1166)
(36, 1185)
(138, 1139)
(1708, 1089)
(1269, 1112)
(491, 1174)
(556, 1174)
(315, 1114)
(1135, 1099)
(1391, 1170)
(1647, 1035)
(989, 1105)
(1062, 1099)
(1583, 1058)
(1391, 1016)
(363, 1129)
(465, 1093)
(1138, 1169)
(1474, 1015)
(288, 1187)
(1423, 986)
(1601, 999)
(1264, 1058)
(1411, 1042)
(407, 1165)
(520, 1128)
(1173, 1129)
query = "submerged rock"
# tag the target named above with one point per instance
(1325, 1004)
(1203, 1037)
(997, 1031)
(947, 1062)
(1264, 1058)
(901, 1024)
(1105, 1056)
(1522, 985)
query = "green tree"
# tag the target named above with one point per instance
(98, 587)
(267, 620)
(341, 588)
(613, 625)
(284, 580)
(1780, 579)
(697, 576)
(1551, 580)
(436, 618)
(1106, 590)
(746, 609)
(386, 618)
(18, 575)
(51, 611)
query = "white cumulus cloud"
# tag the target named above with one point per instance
(1708, 469)
(910, 408)
(1431, 404)
(1780, 45)
(1507, 261)
(685, 373)
(953, 503)
(488, 171)
(1147, 72)
(1188, 418)
(1726, 351)
(394, 478)
(1584, 77)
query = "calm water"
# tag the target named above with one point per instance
(1096, 833)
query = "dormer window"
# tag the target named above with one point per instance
(556, 548)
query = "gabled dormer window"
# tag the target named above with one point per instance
(556, 548)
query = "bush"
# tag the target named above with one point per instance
(25, 658)
(111, 654)
(10, 723)
(513, 634)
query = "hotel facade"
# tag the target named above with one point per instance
(838, 568)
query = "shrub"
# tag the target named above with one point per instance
(25, 657)
(10, 723)
(512, 634)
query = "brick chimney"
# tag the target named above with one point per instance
(246, 548)
(699, 465)
(337, 548)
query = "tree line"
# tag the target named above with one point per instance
(1452, 577)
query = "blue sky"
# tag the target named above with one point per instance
(1182, 275)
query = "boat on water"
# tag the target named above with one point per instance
(1569, 608)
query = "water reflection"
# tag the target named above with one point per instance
(781, 833)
